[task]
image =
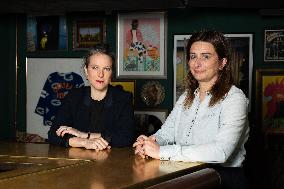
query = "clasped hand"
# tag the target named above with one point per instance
(95, 142)
(147, 146)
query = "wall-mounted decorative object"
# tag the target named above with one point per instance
(141, 45)
(153, 93)
(48, 80)
(88, 32)
(126, 85)
(149, 121)
(274, 45)
(270, 99)
(46, 33)
(242, 62)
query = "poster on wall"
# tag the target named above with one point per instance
(274, 45)
(48, 81)
(141, 45)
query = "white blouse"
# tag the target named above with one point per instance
(201, 133)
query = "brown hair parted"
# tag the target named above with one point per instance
(225, 79)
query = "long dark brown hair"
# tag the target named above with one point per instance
(224, 80)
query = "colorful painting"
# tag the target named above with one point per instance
(271, 88)
(141, 45)
(270, 99)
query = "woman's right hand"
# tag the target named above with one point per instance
(139, 144)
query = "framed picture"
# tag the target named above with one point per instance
(162, 114)
(149, 121)
(46, 33)
(126, 85)
(242, 62)
(152, 93)
(88, 32)
(48, 81)
(274, 45)
(270, 99)
(141, 45)
(180, 64)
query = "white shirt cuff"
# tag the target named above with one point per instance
(169, 151)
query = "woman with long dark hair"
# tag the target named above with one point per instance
(209, 121)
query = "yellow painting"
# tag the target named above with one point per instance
(128, 86)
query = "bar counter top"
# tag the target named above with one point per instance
(29, 165)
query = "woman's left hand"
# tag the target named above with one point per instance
(139, 145)
(151, 148)
(62, 130)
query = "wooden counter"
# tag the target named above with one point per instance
(46, 166)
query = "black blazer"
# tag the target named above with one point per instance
(117, 116)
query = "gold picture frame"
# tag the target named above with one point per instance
(88, 32)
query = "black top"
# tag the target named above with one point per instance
(96, 111)
(116, 121)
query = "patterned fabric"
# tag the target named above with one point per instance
(56, 87)
(139, 46)
(28, 137)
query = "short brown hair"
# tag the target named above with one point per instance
(100, 48)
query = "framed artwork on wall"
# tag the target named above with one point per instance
(159, 113)
(128, 86)
(241, 65)
(180, 64)
(48, 81)
(274, 45)
(46, 33)
(141, 45)
(152, 93)
(88, 32)
(149, 121)
(270, 99)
